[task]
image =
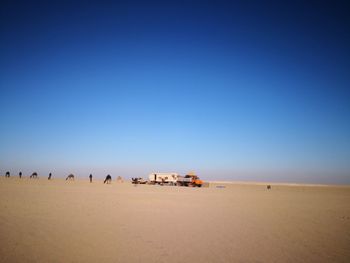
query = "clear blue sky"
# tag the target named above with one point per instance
(240, 90)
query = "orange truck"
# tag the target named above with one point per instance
(190, 180)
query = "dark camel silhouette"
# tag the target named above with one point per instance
(7, 174)
(34, 175)
(108, 179)
(70, 177)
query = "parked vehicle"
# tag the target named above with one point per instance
(190, 179)
(138, 181)
(163, 178)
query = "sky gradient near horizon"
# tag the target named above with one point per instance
(234, 90)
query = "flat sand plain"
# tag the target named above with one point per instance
(59, 221)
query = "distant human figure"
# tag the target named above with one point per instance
(50, 175)
(7, 174)
(70, 177)
(34, 175)
(268, 187)
(108, 179)
(90, 177)
(20, 175)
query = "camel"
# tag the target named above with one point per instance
(70, 177)
(7, 174)
(108, 179)
(34, 175)
(268, 187)
(120, 179)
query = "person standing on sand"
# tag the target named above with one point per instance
(90, 176)
(49, 178)
(20, 175)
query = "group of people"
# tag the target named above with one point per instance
(107, 180)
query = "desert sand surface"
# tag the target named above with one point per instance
(60, 221)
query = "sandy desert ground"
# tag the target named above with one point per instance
(59, 221)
